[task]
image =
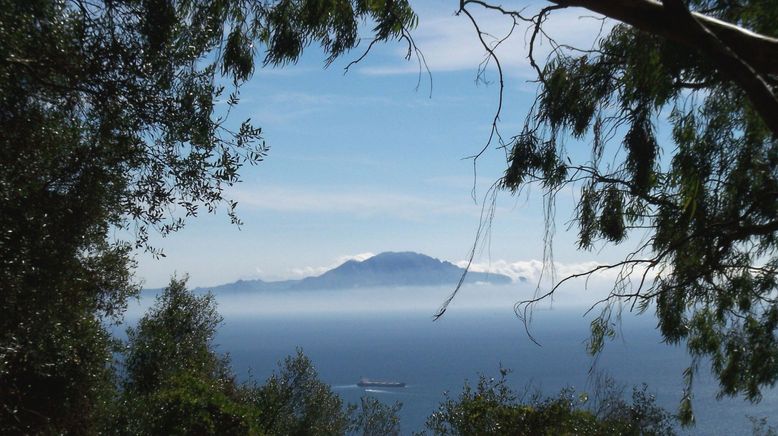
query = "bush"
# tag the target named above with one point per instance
(186, 404)
(374, 418)
(293, 401)
(491, 408)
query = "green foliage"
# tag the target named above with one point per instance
(374, 418)
(184, 404)
(175, 336)
(293, 401)
(492, 408)
(706, 202)
(61, 282)
(54, 368)
(175, 383)
(108, 121)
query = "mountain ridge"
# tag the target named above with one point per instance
(387, 269)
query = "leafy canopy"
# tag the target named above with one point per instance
(706, 200)
(109, 120)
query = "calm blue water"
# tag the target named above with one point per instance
(403, 343)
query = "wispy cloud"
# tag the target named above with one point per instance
(450, 43)
(309, 271)
(335, 159)
(358, 203)
(319, 100)
(288, 107)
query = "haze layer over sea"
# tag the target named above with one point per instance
(389, 334)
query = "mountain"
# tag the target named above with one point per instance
(382, 270)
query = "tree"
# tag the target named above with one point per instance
(376, 419)
(294, 401)
(491, 407)
(108, 122)
(174, 381)
(708, 200)
(175, 336)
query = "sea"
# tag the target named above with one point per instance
(391, 334)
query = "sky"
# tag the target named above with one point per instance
(375, 160)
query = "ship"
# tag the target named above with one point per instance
(367, 383)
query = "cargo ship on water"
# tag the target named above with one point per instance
(367, 383)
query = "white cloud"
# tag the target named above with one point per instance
(321, 100)
(285, 108)
(310, 271)
(356, 203)
(358, 257)
(307, 271)
(582, 292)
(450, 42)
(536, 274)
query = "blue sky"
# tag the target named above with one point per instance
(368, 162)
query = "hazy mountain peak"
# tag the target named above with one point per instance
(387, 269)
(401, 259)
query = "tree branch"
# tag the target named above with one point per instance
(752, 82)
(757, 50)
